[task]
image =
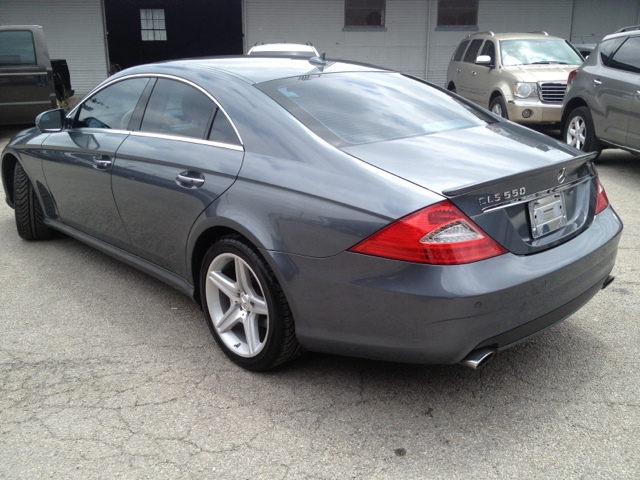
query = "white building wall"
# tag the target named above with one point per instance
(593, 19)
(74, 31)
(402, 46)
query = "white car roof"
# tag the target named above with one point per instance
(283, 47)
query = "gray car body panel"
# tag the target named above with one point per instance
(613, 103)
(304, 203)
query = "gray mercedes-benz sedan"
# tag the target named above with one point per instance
(319, 205)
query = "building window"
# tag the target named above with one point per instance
(457, 13)
(152, 23)
(364, 13)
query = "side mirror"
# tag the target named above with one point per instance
(51, 121)
(483, 60)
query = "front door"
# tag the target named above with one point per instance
(78, 162)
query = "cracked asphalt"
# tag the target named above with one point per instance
(107, 373)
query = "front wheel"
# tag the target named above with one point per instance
(498, 107)
(245, 307)
(579, 131)
(28, 211)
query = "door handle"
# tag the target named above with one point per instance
(597, 81)
(458, 70)
(102, 162)
(473, 73)
(186, 178)
(638, 92)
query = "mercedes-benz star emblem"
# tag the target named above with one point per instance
(562, 175)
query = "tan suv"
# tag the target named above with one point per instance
(519, 76)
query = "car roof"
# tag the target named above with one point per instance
(630, 33)
(514, 36)
(253, 69)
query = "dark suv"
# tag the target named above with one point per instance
(602, 104)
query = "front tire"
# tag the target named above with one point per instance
(579, 131)
(28, 211)
(245, 307)
(499, 108)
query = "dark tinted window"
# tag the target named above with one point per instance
(175, 108)
(472, 53)
(113, 106)
(356, 108)
(628, 56)
(607, 48)
(489, 48)
(222, 131)
(16, 48)
(457, 13)
(458, 56)
(364, 13)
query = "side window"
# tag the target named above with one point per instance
(111, 107)
(608, 47)
(458, 55)
(16, 48)
(222, 131)
(627, 57)
(177, 109)
(472, 53)
(489, 48)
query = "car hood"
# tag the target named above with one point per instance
(455, 158)
(541, 73)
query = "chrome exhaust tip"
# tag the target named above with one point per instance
(478, 358)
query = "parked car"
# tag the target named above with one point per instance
(519, 76)
(602, 105)
(339, 208)
(30, 83)
(585, 49)
(283, 50)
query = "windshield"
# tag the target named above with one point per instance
(355, 108)
(538, 52)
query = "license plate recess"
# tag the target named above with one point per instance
(547, 214)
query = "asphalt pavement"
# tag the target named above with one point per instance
(107, 373)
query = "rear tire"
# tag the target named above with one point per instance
(245, 307)
(28, 211)
(499, 108)
(452, 88)
(579, 131)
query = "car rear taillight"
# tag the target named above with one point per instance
(440, 235)
(572, 74)
(603, 201)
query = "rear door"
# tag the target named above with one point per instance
(184, 154)
(26, 82)
(633, 134)
(613, 88)
(78, 162)
(469, 87)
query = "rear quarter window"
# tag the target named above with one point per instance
(608, 47)
(460, 51)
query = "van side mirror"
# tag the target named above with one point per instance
(51, 121)
(484, 60)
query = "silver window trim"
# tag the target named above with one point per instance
(229, 146)
(97, 89)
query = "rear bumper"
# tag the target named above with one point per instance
(540, 112)
(363, 306)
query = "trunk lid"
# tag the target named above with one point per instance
(527, 191)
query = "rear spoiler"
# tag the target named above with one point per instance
(570, 164)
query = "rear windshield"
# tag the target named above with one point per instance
(538, 52)
(356, 108)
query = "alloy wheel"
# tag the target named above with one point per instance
(497, 109)
(576, 132)
(237, 305)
